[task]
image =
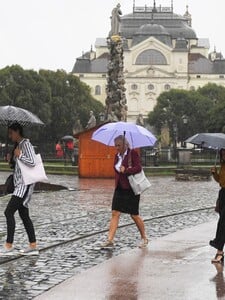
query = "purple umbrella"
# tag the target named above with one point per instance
(137, 136)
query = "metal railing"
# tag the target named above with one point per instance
(138, 9)
(149, 157)
(166, 157)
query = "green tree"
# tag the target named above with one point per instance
(26, 89)
(70, 99)
(57, 98)
(177, 106)
(216, 95)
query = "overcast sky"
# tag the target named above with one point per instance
(50, 34)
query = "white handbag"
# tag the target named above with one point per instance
(33, 174)
(138, 182)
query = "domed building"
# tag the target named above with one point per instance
(161, 52)
(152, 29)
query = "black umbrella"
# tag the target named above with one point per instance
(11, 114)
(67, 138)
(215, 141)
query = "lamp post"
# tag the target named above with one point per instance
(175, 140)
(185, 122)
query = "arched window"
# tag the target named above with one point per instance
(97, 90)
(151, 57)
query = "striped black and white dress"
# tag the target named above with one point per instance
(27, 156)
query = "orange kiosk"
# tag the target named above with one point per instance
(95, 160)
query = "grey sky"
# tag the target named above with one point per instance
(50, 34)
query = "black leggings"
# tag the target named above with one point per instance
(15, 204)
(220, 233)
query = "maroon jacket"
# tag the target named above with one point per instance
(122, 179)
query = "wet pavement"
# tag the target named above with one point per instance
(61, 216)
(176, 267)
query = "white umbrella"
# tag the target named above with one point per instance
(136, 135)
(10, 114)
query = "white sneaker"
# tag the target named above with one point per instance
(7, 251)
(29, 251)
(143, 244)
(107, 245)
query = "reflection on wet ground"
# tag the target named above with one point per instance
(175, 267)
(219, 281)
(64, 215)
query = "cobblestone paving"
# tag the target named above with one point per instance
(64, 215)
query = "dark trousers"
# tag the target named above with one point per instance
(220, 233)
(15, 204)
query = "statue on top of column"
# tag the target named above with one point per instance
(115, 20)
(116, 103)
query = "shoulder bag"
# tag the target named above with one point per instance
(138, 182)
(33, 174)
(9, 185)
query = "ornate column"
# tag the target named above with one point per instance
(116, 97)
(116, 102)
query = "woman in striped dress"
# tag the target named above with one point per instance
(21, 196)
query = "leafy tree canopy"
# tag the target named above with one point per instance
(216, 120)
(58, 98)
(190, 112)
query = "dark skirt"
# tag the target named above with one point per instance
(126, 201)
(221, 200)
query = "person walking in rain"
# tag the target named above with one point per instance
(21, 196)
(219, 240)
(124, 199)
(59, 150)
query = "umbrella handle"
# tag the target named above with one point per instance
(217, 152)
(124, 136)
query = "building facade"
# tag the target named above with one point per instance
(161, 52)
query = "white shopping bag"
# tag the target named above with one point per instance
(33, 174)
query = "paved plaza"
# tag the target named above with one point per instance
(78, 215)
(175, 267)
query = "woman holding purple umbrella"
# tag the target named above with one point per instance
(124, 199)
